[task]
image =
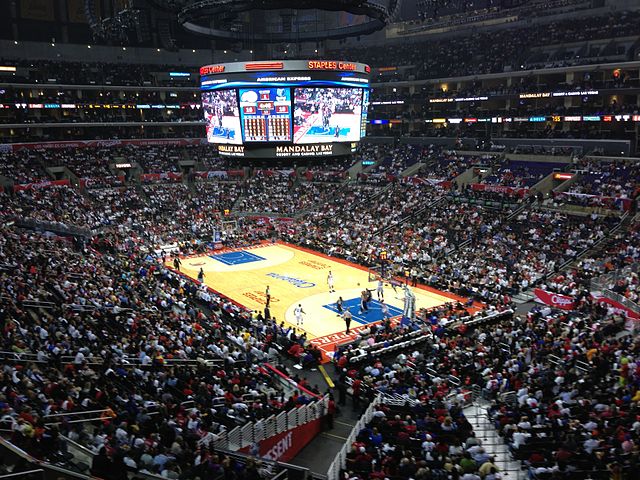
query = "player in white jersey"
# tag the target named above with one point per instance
(380, 289)
(385, 309)
(330, 282)
(298, 312)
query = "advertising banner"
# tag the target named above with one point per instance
(101, 143)
(566, 302)
(160, 177)
(286, 445)
(481, 187)
(620, 203)
(556, 300)
(618, 306)
(37, 185)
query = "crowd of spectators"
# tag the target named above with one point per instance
(448, 165)
(620, 251)
(280, 192)
(59, 205)
(93, 73)
(104, 115)
(563, 389)
(495, 51)
(396, 159)
(607, 179)
(91, 165)
(172, 364)
(519, 174)
(168, 364)
(24, 166)
(104, 132)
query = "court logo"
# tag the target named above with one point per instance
(315, 265)
(296, 282)
(260, 297)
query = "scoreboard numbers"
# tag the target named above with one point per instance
(266, 114)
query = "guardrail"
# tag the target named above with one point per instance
(11, 450)
(631, 305)
(252, 433)
(602, 282)
(339, 462)
(119, 361)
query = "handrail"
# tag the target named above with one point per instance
(88, 452)
(274, 463)
(74, 413)
(45, 465)
(290, 380)
(411, 215)
(82, 448)
(83, 420)
(10, 475)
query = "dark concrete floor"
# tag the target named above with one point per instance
(318, 455)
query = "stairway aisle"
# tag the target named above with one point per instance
(493, 443)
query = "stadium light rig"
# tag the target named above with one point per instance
(200, 17)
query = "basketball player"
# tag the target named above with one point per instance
(330, 282)
(380, 289)
(201, 275)
(339, 305)
(385, 309)
(267, 295)
(364, 296)
(298, 312)
(394, 283)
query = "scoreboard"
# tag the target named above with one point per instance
(270, 107)
(266, 114)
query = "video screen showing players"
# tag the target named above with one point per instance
(266, 114)
(323, 115)
(222, 116)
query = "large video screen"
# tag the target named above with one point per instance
(266, 114)
(222, 117)
(323, 115)
(285, 115)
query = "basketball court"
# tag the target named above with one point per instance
(297, 276)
